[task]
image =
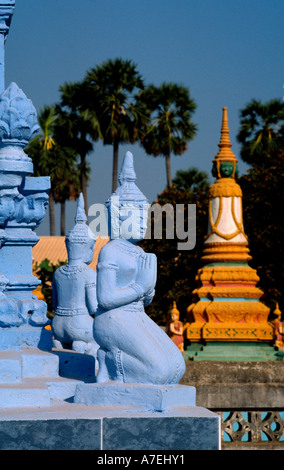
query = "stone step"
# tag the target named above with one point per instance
(33, 378)
(39, 364)
(10, 367)
(37, 392)
(25, 337)
(143, 397)
(17, 365)
(240, 352)
(194, 347)
(228, 357)
(233, 357)
(227, 351)
(238, 349)
(23, 397)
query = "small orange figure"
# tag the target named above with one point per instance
(278, 329)
(174, 328)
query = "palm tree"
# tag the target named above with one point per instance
(58, 160)
(79, 127)
(191, 180)
(170, 127)
(261, 134)
(65, 179)
(109, 91)
(261, 129)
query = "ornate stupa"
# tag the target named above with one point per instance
(228, 306)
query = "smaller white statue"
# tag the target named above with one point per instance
(74, 291)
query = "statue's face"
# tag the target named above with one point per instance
(132, 223)
(128, 222)
(226, 169)
(41, 204)
(33, 208)
(89, 251)
(82, 251)
(174, 317)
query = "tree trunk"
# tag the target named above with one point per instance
(84, 180)
(115, 165)
(62, 219)
(168, 170)
(52, 230)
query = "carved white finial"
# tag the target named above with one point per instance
(80, 213)
(127, 172)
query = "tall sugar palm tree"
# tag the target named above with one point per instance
(79, 126)
(109, 92)
(66, 185)
(53, 157)
(170, 127)
(261, 130)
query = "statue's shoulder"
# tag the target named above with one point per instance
(115, 251)
(109, 251)
(57, 272)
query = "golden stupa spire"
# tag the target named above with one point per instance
(225, 139)
(225, 152)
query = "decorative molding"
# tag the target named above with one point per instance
(225, 187)
(228, 292)
(234, 274)
(18, 118)
(7, 8)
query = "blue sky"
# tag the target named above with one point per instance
(226, 52)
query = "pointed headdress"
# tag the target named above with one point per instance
(80, 232)
(127, 191)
